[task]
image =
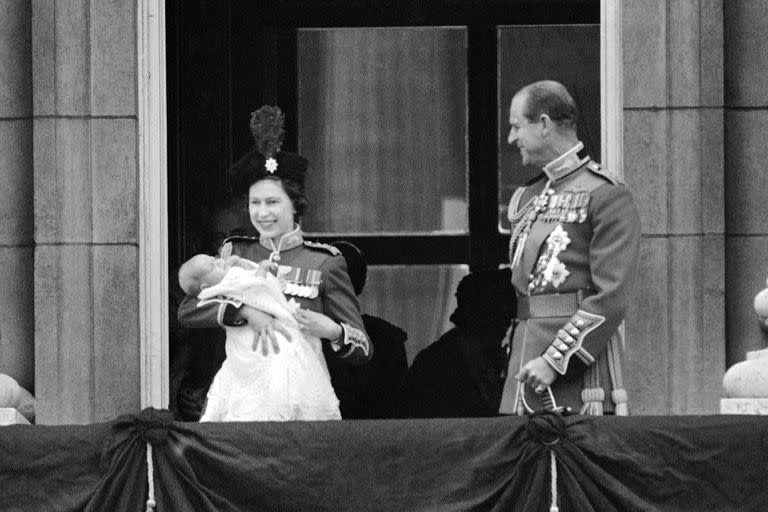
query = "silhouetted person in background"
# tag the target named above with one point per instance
(460, 375)
(370, 391)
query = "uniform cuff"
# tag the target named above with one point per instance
(227, 314)
(569, 341)
(350, 340)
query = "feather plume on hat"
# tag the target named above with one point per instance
(266, 159)
(268, 130)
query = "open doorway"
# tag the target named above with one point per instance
(430, 87)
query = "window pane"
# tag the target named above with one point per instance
(569, 54)
(418, 299)
(382, 120)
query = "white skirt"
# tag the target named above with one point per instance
(293, 384)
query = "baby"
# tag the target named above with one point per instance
(292, 382)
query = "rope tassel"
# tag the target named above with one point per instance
(553, 487)
(620, 400)
(151, 503)
(593, 401)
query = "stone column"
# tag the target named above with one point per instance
(746, 170)
(85, 210)
(16, 217)
(673, 162)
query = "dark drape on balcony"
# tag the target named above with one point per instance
(713, 463)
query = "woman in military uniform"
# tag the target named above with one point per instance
(313, 274)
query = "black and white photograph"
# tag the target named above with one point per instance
(383, 255)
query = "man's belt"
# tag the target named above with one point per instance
(549, 305)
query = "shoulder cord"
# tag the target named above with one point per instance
(592, 392)
(275, 254)
(619, 394)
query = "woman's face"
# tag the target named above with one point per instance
(270, 208)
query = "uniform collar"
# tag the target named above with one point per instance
(565, 164)
(288, 241)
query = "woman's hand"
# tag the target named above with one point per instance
(317, 324)
(264, 267)
(265, 326)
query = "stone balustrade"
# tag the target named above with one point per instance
(17, 405)
(745, 384)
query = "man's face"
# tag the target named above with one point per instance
(528, 136)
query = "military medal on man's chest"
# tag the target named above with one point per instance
(522, 222)
(565, 207)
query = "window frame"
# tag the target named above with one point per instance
(483, 246)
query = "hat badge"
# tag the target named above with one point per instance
(271, 165)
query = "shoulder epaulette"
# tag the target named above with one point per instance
(324, 247)
(596, 168)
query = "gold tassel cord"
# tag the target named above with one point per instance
(593, 394)
(593, 401)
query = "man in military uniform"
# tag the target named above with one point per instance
(573, 254)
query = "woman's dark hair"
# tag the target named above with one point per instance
(295, 193)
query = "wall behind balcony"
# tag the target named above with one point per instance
(673, 162)
(16, 209)
(746, 176)
(85, 210)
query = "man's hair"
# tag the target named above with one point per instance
(550, 98)
(192, 272)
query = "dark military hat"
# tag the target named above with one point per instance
(266, 159)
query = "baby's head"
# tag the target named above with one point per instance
(200, 271)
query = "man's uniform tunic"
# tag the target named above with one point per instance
(574, 248)
(313, 274)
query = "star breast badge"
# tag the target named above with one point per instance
(556, 273)
(558, 240)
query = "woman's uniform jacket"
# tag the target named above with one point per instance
(313, 274)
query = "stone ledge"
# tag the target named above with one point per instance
(10, 416)
(758, 406)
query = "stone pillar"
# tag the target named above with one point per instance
(16, 217)
(85, 210)
(673, 162)
(746, 170)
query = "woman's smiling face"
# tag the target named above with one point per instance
(270, 208)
